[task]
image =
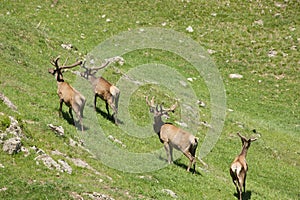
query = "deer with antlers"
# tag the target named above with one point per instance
(172, 136)
(102, 88)
(239, 167)
(66, 93)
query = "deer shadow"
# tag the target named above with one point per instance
(245, 195)
(184, 166)
(66, 115)
(107, 116)
(75, 122)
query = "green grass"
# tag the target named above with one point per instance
(265, 99)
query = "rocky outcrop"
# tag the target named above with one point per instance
(12, 145)
(8, 102)
(11, 138)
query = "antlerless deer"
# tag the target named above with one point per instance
(172, 136)
(239, 167)
(104, 89)
(67, 94)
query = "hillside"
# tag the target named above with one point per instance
(180, 51)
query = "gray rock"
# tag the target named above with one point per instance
(65, 166)
(14, 128)
(12, 145)
(8, 102)
(235, 76)
(58, 130)
(98, 196)
(48, 162)
(170, 192)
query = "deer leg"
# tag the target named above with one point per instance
(190, 157)
(78, 112)
(95, 101)
(107, 108)
(194, 165)
(61, 101)
(171, 153)
(81, 109)
(244, 184)
(70, 111)
(115, 118)
(112, 104)
(80, 121)
(71, 114)
(193, 152)
(167, 148)
(239, 188)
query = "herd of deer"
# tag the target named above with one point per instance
(170, 135)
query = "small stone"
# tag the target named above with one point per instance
(190, 79)
(201, 103)
(235, 76)
(189, 29)
(67, 46)
(59, 130)
(170, 192)
(210, 51)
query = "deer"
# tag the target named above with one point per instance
(172, 136)
(239, 167)
(102, 88)
(66, 93)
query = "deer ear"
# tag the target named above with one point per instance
(156, 108)
(242, 137)
(161, 108)
(51, 71)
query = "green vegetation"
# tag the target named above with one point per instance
(257, 39)
(4, 122)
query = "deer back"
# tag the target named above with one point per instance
(178, 137)
(102, 88)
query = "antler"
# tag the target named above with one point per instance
(102, 66)
(151, 103)
(109, 61)
(172, 108)
(72, 65)
(253, 139)
(55, 63)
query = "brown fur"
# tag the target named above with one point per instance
(67, 94)
(105, 91)
(172, 136)
(238, 169)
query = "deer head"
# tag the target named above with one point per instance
(158, 110)
(246, 142)
(58, 69)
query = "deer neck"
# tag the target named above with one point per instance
(158, 123)
(244, 151)
(59, 78)
(92, 79)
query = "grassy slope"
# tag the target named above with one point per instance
(32, 32)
